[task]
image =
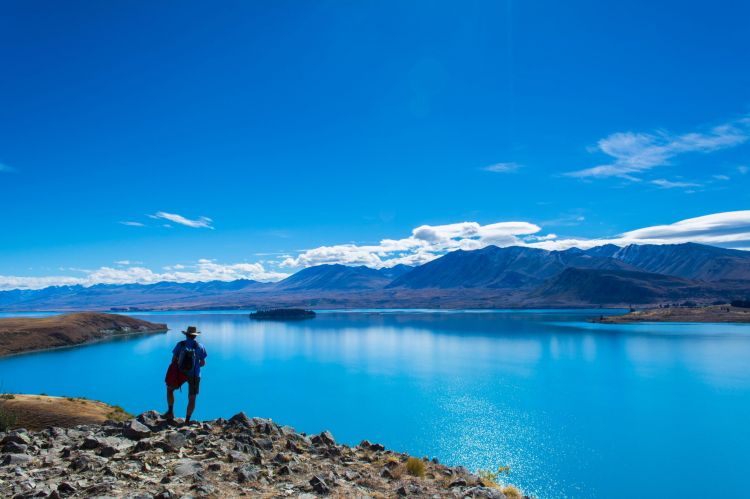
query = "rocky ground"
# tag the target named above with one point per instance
(149, 457)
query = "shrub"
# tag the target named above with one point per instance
(7, 420)
(490, 478)
(7, 396)
(119, 414)
(512, 492)
(415, 467)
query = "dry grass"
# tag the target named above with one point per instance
(36, 412)
(415, 467)
(512, 492)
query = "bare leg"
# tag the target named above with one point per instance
(170, 402)
(190, 407)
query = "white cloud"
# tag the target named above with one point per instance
(5, 168)
(721, 177)
(203, 270)
(632, 153)
(668, 184)
(502, 167)
(742, 169)
(199, 223)
(426, 243)
(132, 224)
(429, 242)
(728, 228)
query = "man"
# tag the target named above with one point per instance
(188, 356)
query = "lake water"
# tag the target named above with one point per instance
(576, 409)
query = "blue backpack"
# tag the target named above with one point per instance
(186, 360)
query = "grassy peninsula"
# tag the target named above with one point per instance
(27, 334)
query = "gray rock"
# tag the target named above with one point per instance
(91, 443)
(19, 437)
(81, 464)
(108, 451)
(237, 457)
(187, 467)
(16, 459)
(15, 448)
(265, 443)
(174, 441)
(485, 492)
(240, 418)
(325, 438)
(458, 482)
(66, 488)
(319, 485)
(247, 473)
(204, 489)
(135, 430)
(165, 494)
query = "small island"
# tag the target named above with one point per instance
(283, 314)
(27, 334)
(698, 314)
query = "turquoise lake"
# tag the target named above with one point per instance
(575, 409)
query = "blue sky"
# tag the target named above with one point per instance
(252, 138)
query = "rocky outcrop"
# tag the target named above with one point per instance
(25, 334)
(149, 457)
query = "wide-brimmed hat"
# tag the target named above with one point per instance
(191, 331)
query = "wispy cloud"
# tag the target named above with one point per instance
(502, 167)
(743, 169)
(5, 168)
(668, 184)
(632, 153)
(132, 224)
(199, 223)
(721, 177)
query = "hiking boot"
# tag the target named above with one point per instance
(169, 415)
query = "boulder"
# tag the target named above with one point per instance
(136, 430)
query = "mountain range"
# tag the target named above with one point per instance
(490, 277)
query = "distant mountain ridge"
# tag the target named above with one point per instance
(513, 276)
